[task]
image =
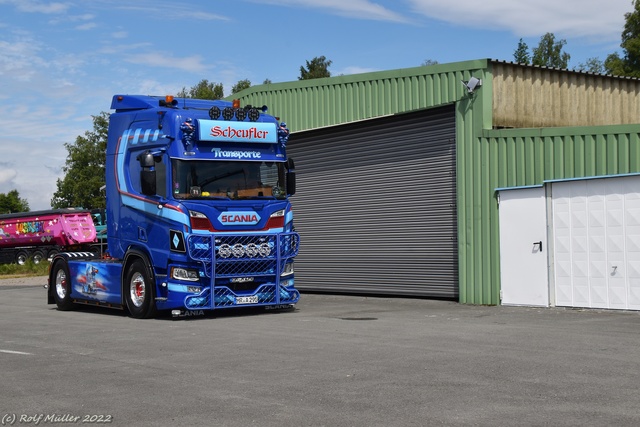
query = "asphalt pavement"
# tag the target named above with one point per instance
(331, 361)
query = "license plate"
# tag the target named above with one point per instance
(247, 300)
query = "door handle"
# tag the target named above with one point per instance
(539, 244)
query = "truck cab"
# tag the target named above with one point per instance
(198, 212)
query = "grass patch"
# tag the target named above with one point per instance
(26, 270)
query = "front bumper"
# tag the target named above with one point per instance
(238, 271)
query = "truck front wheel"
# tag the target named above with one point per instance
(62, 286)
(139, 291)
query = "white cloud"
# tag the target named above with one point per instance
(109, 49)
(64, 18)
(33, 155)
(566, 18)
(19, 59)
(170, 11)
(87, 26)
(155, 87)
(591, 19)
(31, 6)
(360, 9)
(22, 62)
(83, 17)
(6, 176)
(157, 59)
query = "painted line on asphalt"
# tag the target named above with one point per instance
(15, 352)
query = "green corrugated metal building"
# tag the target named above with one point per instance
(358, 138)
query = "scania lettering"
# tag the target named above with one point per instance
(239, 218)
(198, 212)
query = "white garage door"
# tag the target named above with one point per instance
(596, 236)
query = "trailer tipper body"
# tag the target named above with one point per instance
(38, 235)
(198, 216)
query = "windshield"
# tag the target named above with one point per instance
(228, 179)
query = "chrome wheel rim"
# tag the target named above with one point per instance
(137, 290)
(61, 284)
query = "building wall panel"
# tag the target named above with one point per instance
(528, 97)
(317, 103)
(518, 158)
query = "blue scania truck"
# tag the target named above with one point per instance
(198, 216)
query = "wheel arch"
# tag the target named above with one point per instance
(148, 308)
(63, 257)
(133, 254)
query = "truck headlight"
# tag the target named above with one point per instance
(288, 269)
(187, 274)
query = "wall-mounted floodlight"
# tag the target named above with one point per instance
(472, 84)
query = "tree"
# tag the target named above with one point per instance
(317, 68)
(629, 63)
(84, 169)
(549, 52)
(183, 93)
(267, 82)
(521, 54)
(593, 65)
(241, 85)
(615, 65)
(11, 203)
(203, 90)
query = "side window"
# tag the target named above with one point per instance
(135, 169)
(134, 172)
(161, 177)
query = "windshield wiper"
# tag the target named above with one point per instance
(215, 178)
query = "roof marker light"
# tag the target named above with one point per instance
(168, 101)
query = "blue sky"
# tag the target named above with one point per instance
(61, 61)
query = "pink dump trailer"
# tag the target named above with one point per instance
(41, 234)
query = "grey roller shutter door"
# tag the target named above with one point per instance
(376, 206)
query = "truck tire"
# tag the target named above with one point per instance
(139, 291)
(61, 285)
(37, 257)
(22, 257)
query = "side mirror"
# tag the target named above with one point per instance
(146, 159)
(291, 178)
